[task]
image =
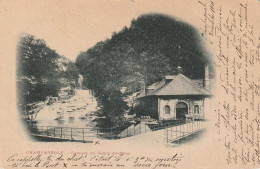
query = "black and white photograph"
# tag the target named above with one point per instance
(155, 77)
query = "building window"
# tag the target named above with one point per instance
(196, 109)
(167, 109)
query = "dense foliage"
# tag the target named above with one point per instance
(152, 47)
(41, 72)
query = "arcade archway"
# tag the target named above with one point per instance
(181, 110)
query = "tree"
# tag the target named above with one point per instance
(140, 55)
(39, 70)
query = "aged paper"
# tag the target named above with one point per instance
(228, 30)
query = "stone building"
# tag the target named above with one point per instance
(175, 97)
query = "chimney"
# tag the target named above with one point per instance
(206, 80)
(179, 70)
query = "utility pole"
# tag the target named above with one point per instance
(145, 62)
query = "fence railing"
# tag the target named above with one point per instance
(180, 131)
(166, 125)
(84, 134)
(66, 133)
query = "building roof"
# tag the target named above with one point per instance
(175, 86)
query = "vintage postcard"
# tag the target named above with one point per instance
(130, 84)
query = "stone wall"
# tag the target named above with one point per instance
(172, 104)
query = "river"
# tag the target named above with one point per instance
(76, 112)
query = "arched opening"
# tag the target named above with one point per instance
(167, 109)
(181, 110)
